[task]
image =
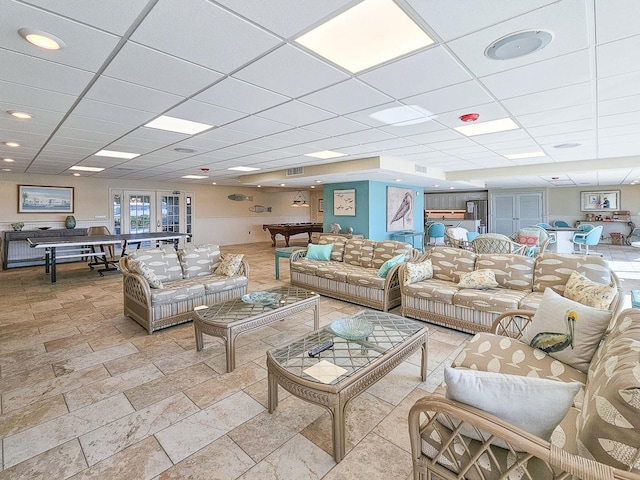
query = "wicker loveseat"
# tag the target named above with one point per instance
(597, 439)
(351, 272)
(521, 283)
(187, 281)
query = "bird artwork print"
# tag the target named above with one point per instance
(550, 342)
(404, 210)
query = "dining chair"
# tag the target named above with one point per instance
(102, 230)
(471, 236)
(552, 235)
(436, 231)
(560, 224)
(585, 227)
(587, 239)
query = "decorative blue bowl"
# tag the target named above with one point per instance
(261, 298)
(352, 328)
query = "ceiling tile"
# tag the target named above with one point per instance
(618, 57)
(241, 96)
(204, 113)
(117, 92)
(618, 22)
(295, 113)
(346, 97)
(451, 98)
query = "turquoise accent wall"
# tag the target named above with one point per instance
(371, 208)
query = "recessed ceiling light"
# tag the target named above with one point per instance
(404, 115)
(318, 181)
(214, 183)
(436, 185)
(178, 125)
(567, 145)
(20, 115)
(452, 188)
(6, 169)
(86, 169)
(195, 177)
(312, 186)
(243, 169)
(519, 44)
(259, 186)
(282, 184)
(493, 126)
(116, 154)
(516, 156)
(76, 174)
(185, 150)
(8, 160)
(368, 34)
(398, 180)
(12, 144)
(42, 39)
(324, 154)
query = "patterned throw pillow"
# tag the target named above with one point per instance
(583, 290)
(478, 279)
(230, 264)
(138, 266)
(417, 272)
(568, 331)
(528, 237)
(386, 266)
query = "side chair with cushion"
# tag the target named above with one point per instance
(435, 232)
(587, 239)
(552, 235)
(560, 224)
(534, 237)
(102, 230)
(496, 243)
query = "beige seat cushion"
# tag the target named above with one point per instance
(493, 300)
(531, 301)
(175, 291)
(220, 283)
(367, 278)
(432, 289)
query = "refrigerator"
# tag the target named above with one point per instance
(478, 210)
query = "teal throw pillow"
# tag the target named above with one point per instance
(319, 252)
(386, 266)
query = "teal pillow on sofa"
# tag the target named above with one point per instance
(319, 252)
(386, 266)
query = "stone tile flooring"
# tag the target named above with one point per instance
(86, 393)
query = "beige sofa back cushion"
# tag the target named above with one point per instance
(609, 423)
(449, 263)
(163, 261)
(337, 251)
(552, 270)
(359, 252)
(198, 260)
(387, 249)
(512, 271)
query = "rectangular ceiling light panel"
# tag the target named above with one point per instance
(325, 154)
(244, 169)
(116, 154)
(86, 169)
(517, 156)
(194, 177)
(494, 126)
(370, 33)
(178, 125)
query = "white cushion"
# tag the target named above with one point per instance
(571, 341)
(536, 405)
(583, 290)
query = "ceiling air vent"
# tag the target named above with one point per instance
(421, 168)
(291, 172)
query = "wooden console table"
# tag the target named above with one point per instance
(16, 251)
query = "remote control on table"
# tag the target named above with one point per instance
(321, 347)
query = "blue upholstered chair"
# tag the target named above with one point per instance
(587, 239)
(552, 235)
(584, 227)
(435, 232)
(471, 236)
(560, 224)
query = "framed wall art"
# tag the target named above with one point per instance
(399, 209)
(321, 205)
(41, 199)
(603, 201)
(344, 202)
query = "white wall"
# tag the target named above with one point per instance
(217, 219)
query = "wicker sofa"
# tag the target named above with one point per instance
(187, 280)
(598, 437)
(522, 281)
(351, 272)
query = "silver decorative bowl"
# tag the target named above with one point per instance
(261, 298)
(352, 328)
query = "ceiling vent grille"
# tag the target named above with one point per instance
(420, 168)
(291, 172)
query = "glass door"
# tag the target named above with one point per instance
(139, 215)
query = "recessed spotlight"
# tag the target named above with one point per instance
(244, 169)
(185, 150)
(436, 185)
(86, 169)
(398, 180)
(76, 174)
(116, 154)
(178, 125)
(194, 177)
(519, 44)
(8, 160)
(493, 126)
(312, 186)
(11, 144)
(42, 39)
(259, 186)
(20, 115)
(214, 183)
(517, 156)
(282, 184)
(6, 169)
(318, 181)
(325, 154)
(567, 145)
(452, 188)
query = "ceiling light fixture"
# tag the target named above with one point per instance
(493, 126)
(518, 44)
(567, 145)
(398, 180)
(214, 183)
(244, 169)
(404, 115)
(11, 144)
(325, 154)
(42, 39)
(20, 115)
(6, 169)
(194, 177)
(8, 160)
(76, 174)
(368, 34)
(517, 156)
(318, 181)
(86, 169)
(178, 125)
(299, 200)
(116, 154)
(282, 184)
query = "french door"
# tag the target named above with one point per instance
(510, 212)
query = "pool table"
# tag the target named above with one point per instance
(288, 229)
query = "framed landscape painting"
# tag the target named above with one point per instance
(40, 199)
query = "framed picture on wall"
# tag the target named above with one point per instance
(344, 203)
(604, 201)
(39, 199)
(321, 205)
(399, 209)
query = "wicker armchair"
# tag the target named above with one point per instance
(496, 243)
(440, 429)
(456, 237)
(544, 239)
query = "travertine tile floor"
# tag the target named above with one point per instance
(86, 393)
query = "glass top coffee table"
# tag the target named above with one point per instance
(337, 375)
(231, 318)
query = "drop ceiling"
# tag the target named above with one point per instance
(234, 64)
